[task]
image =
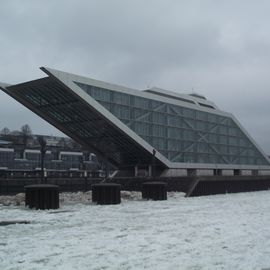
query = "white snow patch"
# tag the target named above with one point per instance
(69, 197)
(18, 199)
(213, 232)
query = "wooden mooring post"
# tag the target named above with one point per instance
(42, 196)
(106, 193)
(154, 191)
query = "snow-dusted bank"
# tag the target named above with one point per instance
(216, 232)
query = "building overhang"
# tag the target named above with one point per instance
(59, 101)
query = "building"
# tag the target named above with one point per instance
(58, 158)
(66, 161)
(151, 131)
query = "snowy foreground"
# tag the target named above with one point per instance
(215, 232)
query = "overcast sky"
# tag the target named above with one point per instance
(220, 49)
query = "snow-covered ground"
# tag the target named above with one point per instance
(213, 232)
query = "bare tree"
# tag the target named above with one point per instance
(43, 145)
(5, 131)
(26, 133)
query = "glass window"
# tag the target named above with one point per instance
(176, 157)
(120, 98)
(142, 128)
(84, 87)
(142, 103)
(159, 118)
(174, 121)
(189, 123)
(213, 138)
(159, 131)
(189, 135)
(175, 145)
(233, 150)
(250, 152)
(136, 113)
(223, 139)
(213, 159)
(100, 94)
(213, 128)
(243, 160)
(175, 110)
(212, 118)
(253, 161)
(202, 147)
(243, 142)
(125, 112)
(233, 131)
(187, 146)
(147, 139)
(161, 108)
(159, 143)
(189, 113)
(233, 141)
(155, 104)
(201, 125)
(116, 110)
(243, 151)
(201, 116)
(222, 120)
(223, 130)
(107, 105)
(202, 158)
(222, 149)
(174, 133)
(189, 157)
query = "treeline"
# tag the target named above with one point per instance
(26, 138)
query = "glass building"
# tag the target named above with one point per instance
(177, 133)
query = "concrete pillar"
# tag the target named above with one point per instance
(264, 172)
(136, 170)
(106, 193)
(204, 172)
(246, 172)
(227, 172)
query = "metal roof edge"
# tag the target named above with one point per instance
(4, 85)
(67, 77)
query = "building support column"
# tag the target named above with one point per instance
(136, 170)
(150, 170)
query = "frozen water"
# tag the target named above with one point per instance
(213, 232)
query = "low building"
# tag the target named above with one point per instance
(13, 157)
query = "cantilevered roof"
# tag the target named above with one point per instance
(58, 100)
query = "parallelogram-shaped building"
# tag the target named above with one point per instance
(177, 133)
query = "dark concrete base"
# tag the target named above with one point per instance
(222, 185)
(12, 222)
(42, 196)
(192, 186)
(106, 193)
(154, 191)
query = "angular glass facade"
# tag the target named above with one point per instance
(187, 131)
(180, 133)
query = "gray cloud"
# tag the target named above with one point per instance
(218, 48)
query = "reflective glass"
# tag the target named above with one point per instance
(181, 134)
